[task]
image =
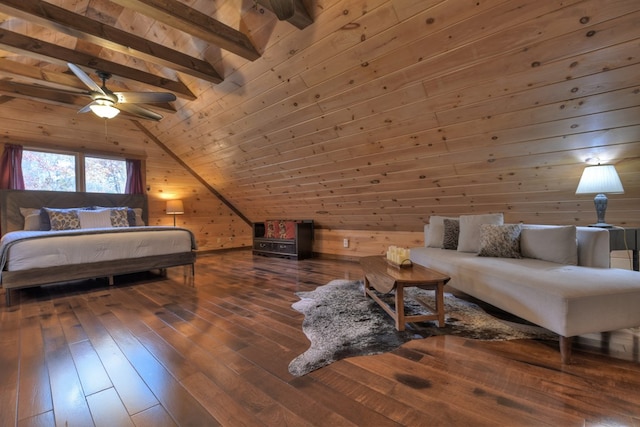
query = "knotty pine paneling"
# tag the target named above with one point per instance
(380, 114)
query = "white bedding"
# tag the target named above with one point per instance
(62, 248)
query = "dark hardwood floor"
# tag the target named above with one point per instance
(150, 351)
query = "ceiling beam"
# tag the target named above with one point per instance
(40, 93)
(292, 11)
(72, 24)
(30, 74)
(180, 16)
(21, 44)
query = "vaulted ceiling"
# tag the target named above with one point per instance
(358, 114)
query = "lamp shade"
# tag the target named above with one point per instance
(175, 207)
(600, 179)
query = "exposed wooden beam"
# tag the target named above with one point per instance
(292, 11)
(27, 73)
(21, 44)
(180, 16)
(40, 93)
(59, 19)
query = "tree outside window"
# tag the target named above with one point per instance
(59, 172)
(105, 175)
(48, 171)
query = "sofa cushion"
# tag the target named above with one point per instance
(451, 233)
(550, 243)
(436, 231)
(502, 241)
(469, 238)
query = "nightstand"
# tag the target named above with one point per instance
(621, 239)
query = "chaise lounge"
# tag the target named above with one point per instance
(559, 278)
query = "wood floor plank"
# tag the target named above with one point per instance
(155, 416)
(93, 376)
(107, 409)
(69, 403)
(133, 391)
(9, 365)
(152, 351)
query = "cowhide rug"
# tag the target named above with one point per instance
(340, 322)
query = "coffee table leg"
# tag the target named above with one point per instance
(366, 285)
(440, 304)
(399, 308)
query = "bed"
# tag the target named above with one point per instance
(32, 255)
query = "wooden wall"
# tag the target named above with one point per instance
(382, 113)
(35, 125)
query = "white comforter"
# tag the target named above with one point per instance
(23, 250)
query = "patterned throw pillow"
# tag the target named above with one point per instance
(451, 232)
(63, 219)
(119, 217)
(502, 241)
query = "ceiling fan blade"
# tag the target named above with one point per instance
(144, 97)
(85, 78)
(284, 9)
(87, 107)
(139, 111)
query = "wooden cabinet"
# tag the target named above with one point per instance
(299, 246)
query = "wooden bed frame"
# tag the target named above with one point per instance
(11, 220)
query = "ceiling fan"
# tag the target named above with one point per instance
(107, 104)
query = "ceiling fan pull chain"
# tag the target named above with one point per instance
(105, 130)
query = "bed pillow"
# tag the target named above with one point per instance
(95, 219)
(119, 217)
(555, 244)
(31, 219)
(436, 231)
(139, 222)
(501, 241)
(451, 233)
(63, 219)
(469, 238)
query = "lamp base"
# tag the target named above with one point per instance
(602, 225)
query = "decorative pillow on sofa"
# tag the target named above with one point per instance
(550, 243)
(63, 219)
(501, 241)
(469, 238)
(436, 231)
(451, 232)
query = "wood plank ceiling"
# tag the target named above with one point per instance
(362, 114)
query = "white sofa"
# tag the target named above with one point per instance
(567, 299)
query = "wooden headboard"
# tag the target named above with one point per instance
(12, 200)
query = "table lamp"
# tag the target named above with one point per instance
(598, 180)
(174, 207)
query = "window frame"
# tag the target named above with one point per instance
(80, 156)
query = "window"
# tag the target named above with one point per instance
(48, 171)
(55, 171)
(105, 175)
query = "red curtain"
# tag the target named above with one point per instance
(134, 177)
(11, 168)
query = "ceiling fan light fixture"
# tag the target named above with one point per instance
(104, 109)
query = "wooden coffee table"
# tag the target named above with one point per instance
(385, 278)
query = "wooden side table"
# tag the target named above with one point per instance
(622, 239)
(385, 278)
